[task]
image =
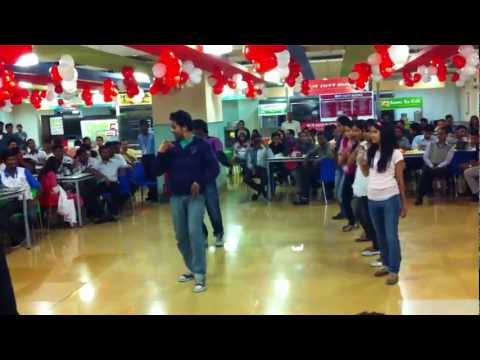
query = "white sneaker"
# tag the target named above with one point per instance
(370, 252)
(186, 277)
(219, 241)
(200, 286)
(376, 264)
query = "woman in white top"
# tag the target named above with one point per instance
(384, 165)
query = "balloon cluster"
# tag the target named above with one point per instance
(64, 75)
(190, 74)
(109, 90)
(252, 90)
(86, 96)
(266, 58)
(360, 75)
(410, 79)
(10, 92)
(305, 87)
(167, 72)
(294, 77)
(218, 81)
(129, 83)
(426, 72)
(36, 97)
(9, 54)
(467, 62)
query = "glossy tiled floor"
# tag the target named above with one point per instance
(278, 259)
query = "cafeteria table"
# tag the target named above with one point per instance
(76, 179)
(9, 194)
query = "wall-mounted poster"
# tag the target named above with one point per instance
(56, 125)
(349, 104)
(107, 128)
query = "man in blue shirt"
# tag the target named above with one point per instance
(146, 139)
(191, 165)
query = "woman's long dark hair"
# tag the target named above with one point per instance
(52, 164)
(388, 143)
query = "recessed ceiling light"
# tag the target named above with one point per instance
(27, 60)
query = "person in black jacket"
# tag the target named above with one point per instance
(191, 164)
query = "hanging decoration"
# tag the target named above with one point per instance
(9, 54)
(36, 97)
(10, 92)
(217, 80)
(467, 63)
(130, 84)
(192, 73)
(360, 75)
(294, 72)
(168, 73)
(109, 90)
(410, 79)
(87, 95)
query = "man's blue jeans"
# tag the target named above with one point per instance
(212, 203)
(187, 215)
(385, 215)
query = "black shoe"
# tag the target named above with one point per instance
(254, 197)
(475, 197)
(339, 216)
(418, 202)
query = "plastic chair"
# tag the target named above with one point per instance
(125, 189)
(460, 157)
(327, 174)
(139, 178)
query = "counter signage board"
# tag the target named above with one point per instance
(401, 103)
(124, 100)
(272, 109)
(330, 86)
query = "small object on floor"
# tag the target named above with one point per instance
(381, 272)
(339, 216)
(370, 252)
(392, 279)
(219, 241)
(370, 313)
(376, 264)
(254, 197)
(418, 202)
(347, 228)
(186, 277)
(200, 286)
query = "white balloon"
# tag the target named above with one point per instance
(196, 72)
(8, 106)
(195, 79)
(188, 66)
(69, 86)
(159, 70)
(432, 70)
(460, 83)
(67, 60)
(426, 78)
(51, 95)
(50, 87)
(422, 70)
(68, 96)
(283, 58)
(469, 70)
(121, 85)
(466, 50)
(399, 54)
(237, 78)
(374, 59)
(463, 75)
(67, 72)
(377, 78)
(354, 75)
(472, 59)
(211, 81)
(283, 72)
(376, 71)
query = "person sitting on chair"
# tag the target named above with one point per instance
(256, 166)
(106, 170)
(14, 177)
(420, 142)
(437, 157)
(402, 140)
(458, 140)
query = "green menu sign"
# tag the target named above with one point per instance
(401, 103)
(270, 109)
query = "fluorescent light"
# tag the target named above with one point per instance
(141, 77)
(25, 85)
(217, 49)
(27, 60)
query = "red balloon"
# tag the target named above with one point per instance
(172, 81)
(278, 48)
(290, 81)
(455, 77)
(232, 84)
(406, 75)
(130, 82)
(43, 94)
(408, 82)
(11, 53)
(61, 102)
(23, 93)
(218, 89)
(417, 77)
(184, 77)
(58, 89)
(266, 64)
(127, 71)
(381, 48)
(4, 95)
(55, 75)
(2, 103)
(16, 99)
(259, 91)
(459, 61)
(132, 91)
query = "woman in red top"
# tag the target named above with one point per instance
(48, 180)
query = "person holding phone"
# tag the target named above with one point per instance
(191, 164)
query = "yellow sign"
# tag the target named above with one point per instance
(124, 100)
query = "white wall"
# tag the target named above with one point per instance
(436, 102)
(26, 115)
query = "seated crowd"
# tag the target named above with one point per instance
(39, 172)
